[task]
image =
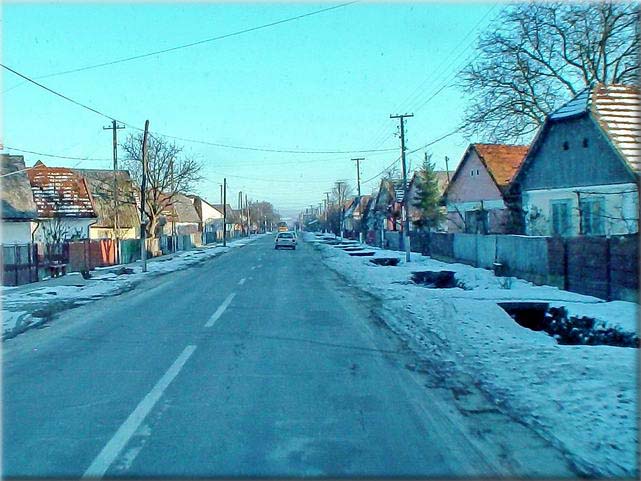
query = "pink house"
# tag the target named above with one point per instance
(476, 196)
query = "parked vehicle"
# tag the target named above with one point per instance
(285, 239)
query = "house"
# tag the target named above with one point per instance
(476, 196)
(64, 204)
(233, 218)
(389, 202)
(108, 225)
(19, 212)
(354, 216)
(183, 218)
(581, 174)
(414, 213)
(211, 219)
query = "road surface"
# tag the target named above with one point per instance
(256, 363)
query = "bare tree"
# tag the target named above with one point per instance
(169, 172)
(540, 55)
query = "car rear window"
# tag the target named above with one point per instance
(285, 235)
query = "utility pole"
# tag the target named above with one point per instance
(225, 212)
(248, 219)
(221, 193)
(143, 200)
(341, 202)
(406, 224)
(447, 169)
(115, 127)
(358, 183)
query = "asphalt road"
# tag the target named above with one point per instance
(256, 363)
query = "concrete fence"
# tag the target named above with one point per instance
(605, 267)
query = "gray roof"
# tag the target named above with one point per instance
(100, 184)
(16, 194)
(185, 209)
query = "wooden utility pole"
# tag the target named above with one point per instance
(115, 127)
(358, 174)
(341, 202)
(358, 184)
(143, 191)
(406, 223)
(248, 219)
(447, 169)
(225, 212)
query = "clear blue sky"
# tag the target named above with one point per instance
(325, 82)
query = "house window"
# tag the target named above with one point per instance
(585, 142)
(566, 145)
(560, 215)
(471, 173)
(477, 171)
(592, 216)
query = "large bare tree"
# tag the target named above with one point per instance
(539, 55)
(169, 172)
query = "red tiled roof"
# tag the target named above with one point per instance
(60, 192)
(502, 161)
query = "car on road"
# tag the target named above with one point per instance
(285, 239)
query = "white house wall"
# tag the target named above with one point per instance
(17, 232)
(73, 226)
(621, 208)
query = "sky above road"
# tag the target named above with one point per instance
(325, 82)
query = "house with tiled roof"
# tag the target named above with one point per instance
(64, 204)
(476, 197)
(581, 174)
(19, 213)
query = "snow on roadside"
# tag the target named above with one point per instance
(23, 309)
(583, 399)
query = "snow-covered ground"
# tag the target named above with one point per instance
(29, 305)
(583, 399)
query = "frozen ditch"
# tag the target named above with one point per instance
(584, 330)
(435, 279)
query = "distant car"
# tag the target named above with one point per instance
(285, 239)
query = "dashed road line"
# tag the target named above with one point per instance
(242, 281)
(116, 444)
(219, 312)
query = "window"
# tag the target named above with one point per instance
(585, 142)
(560, 215)
(477, 171)
(566, 145)
(471, 173)
(476, 221)
(592, 215)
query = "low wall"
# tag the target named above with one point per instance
(598, 266)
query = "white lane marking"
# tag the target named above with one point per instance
(253, 267)
(119, 440)
(242, 281)
(220, 310)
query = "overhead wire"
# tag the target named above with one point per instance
(192, 44)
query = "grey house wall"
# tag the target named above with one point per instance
(550, 166)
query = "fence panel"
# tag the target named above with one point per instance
(19, 264)
(587, 269)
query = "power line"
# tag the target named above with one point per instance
(199, 42)
(184, 139)
(6, 147)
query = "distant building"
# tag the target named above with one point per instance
(63, 201)
(19, 212)
(582, 172)
(476, 197)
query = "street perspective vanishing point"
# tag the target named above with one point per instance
(331, 240)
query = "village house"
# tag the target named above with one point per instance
(19, 212)
(581, 174)
(476, 197)
(64, 204)
(233, 219)
(354, 216)
(122, 222)
(183, 218)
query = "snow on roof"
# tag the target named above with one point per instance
(502, 161)
(60, 192)
(616, 109)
